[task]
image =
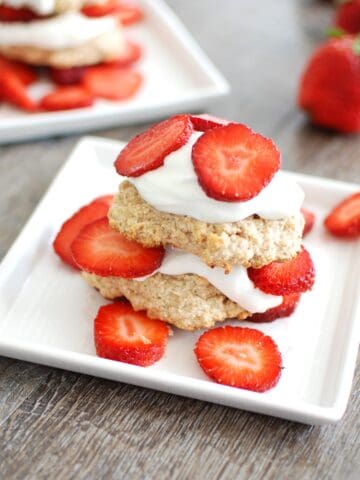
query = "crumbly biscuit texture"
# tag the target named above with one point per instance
(253, 242)
(105, 47)
(187, 301)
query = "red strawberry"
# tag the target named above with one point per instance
(344, 219)
(309, 218)
(11, 14)
(128, 14)
(13, 91)
(112, 82)
(72, 227)
(67, 98)
(285, 309)
(67, 76)
(128, 336)
(205, 122)
(107, 199)
(131, 54)
(239, 357)
(148, 150)
(330, 85)
(348, 16)
(100, 9)
(99, 249)
(233, 163)
(282, 278)
(25, 74)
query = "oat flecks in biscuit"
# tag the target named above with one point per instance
(187, 301)
(252, 242)
(105, 47)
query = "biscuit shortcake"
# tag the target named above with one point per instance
(188, 175)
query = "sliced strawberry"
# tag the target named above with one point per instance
(309, 218)
(148, 150)
(67, 98)
(233, 163)
(25, 73)
(112, 82)
(239, 357)
(131, 54)
(348, 16)
(282, 278)
(128, 336)
(204, 122)
(128, 14)
(285, 309)
(101, 9)
(99, 249)
(344, 219)
(67, 76)
(11, 14)
(13, 91)
(72, 227)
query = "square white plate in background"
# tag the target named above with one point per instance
(178, 76)
(47, 310)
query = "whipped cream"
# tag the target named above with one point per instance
(69, 30)
(235, 285)
(41, 7)
(174, 188)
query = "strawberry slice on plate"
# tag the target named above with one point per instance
(239, 357)
(25, 73)
(72, 227)
(128, 14)
(131, 54)
(309, 218)
(13, 91)
(67, 98)
(99, 249)
(128, 336)
(233, 163)
(285, 309)
(344, 220)
(101, 9)
(148, 150)
(106, 199)
(204, 122)
(282, 278)
(112, 82)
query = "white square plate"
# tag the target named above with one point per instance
(177, 77)
(47, 310)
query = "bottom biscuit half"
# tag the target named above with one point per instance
(187, 301)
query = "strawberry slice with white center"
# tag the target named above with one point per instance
(125, 335)
(344, 219)
(100, 250)
(239, 357)
(233, 163)
(204, 122)
(285, 309)
(148, 150)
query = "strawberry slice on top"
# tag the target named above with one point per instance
(282, 278)
(239, 357)
(100, 250)
(344, 219)
(148, 150)
(204, 122)
(128, 336)
(233, 163)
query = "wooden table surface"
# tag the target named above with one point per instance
(57, 424)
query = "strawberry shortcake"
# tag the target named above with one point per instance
(204, 228)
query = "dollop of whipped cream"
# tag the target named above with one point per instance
(71, 29)
(174, 188)
(235, 285)
(41, 7)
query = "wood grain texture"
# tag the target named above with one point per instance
(61, 425)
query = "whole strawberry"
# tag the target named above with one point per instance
(348, 16)
(330, 85)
